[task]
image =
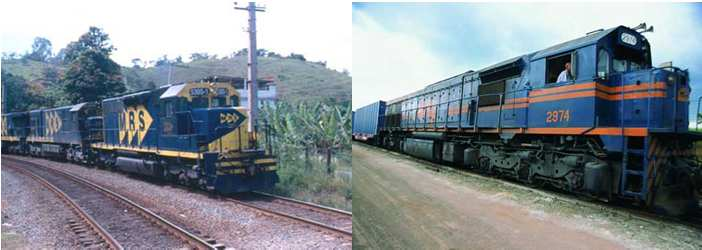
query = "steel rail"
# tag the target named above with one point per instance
(293, 217)
(82, 214)
(309, 204)
(189, 238)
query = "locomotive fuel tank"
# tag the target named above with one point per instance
(597, 178)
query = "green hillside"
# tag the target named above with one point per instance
(296, 79)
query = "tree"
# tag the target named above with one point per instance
(151, 85)
(9, 55)
(297, 57)
(261, 52)
(41, 50)
(95, 39)
(178, 59)
(136, 63)
(274, 55)
(162, 61)
(50, 76)
(242, 52)
(199, 56)
(92, 76)
(16, 95)
(59, 57)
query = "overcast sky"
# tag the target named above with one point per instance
(400, 48)
(148, 29)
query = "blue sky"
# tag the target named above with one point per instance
(150, 29)
(399, 48)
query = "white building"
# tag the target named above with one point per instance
(266, 89)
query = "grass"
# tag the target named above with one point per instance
(309, 181)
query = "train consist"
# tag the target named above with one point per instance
(616, 129)
(192, 133)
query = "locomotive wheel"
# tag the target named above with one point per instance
(674, 192)
(484, 164)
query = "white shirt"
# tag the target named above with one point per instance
(564, 76)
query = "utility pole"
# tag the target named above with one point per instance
(170, 68)
(253, 64)
(4, 98)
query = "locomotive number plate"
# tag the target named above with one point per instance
(199, 91)
(558, 116)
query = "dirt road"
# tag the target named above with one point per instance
(398, 205)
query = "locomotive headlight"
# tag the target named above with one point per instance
(671, 79)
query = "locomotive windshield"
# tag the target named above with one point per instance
(624, 64)
(628, 59)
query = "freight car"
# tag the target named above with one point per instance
(192, 133)
(618, 129)
(367, 121)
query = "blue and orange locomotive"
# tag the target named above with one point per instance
(617, 128)
(193, 133)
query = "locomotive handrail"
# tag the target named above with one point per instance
(675, 102)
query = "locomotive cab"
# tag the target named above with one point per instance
(210, 114)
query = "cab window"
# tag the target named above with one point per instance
(235, 101)
(635, 66)
(556, 64)
(627, 59)
(619, 65)
(219, 102)
(200, 102)
(602, 63)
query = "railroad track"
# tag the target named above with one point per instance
(107, 219)
(326, 218)
(694, 221)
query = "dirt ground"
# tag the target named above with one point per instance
(399, 204)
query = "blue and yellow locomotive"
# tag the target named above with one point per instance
(193, 133)
(616, 128)
(14, 132)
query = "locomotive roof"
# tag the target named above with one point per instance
(74, 107)
(136, 94)
(172, 91)
(586, 40)
(15, 113)
(507, 62)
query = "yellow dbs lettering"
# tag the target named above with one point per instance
(134, 123)
(558, 116)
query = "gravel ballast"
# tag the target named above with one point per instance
(35, 213)
(230, 224)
